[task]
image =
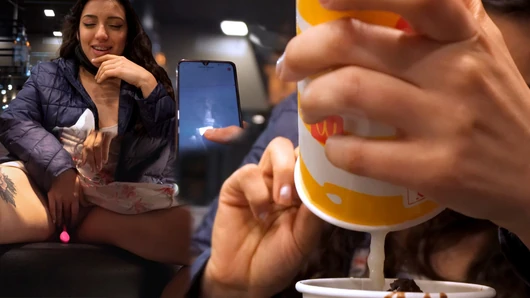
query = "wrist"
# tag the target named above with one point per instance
(66, 173)
(211, 287)
(147, 84)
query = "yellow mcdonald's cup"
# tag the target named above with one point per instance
(341, 198)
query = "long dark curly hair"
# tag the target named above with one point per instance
(138, 48)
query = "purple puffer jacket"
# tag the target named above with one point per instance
(54, 97)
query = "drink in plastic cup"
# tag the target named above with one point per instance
(341, 198)
(353, 288)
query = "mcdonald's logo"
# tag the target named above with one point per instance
(403, 25)
(331, 126)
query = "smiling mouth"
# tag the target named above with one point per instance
(102, 49)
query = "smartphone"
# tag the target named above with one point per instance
(208, 97)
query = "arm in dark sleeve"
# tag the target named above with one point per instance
(23, 135)
(169, 173)
(157, 112)
(283, 123)
(168, 176)
(517, 254)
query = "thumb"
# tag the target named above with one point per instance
(479, 13)
(51, 207)
(477, 9)
(223, 135)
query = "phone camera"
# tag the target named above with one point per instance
(205, 63)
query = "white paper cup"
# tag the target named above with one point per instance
(353, 288)
(350, 201)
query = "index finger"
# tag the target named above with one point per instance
(87, 148)
(441, 20)
(278, 162)
(104, 58)
(51, 207)
(105, 146)
(97, 151)
(75, 205)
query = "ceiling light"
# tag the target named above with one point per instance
(253, 38)
(49, 13)
(234, 28)
(258, 119)
(57, 33)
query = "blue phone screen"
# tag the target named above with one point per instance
(207, 99)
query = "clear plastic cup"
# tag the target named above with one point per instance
(355, 288)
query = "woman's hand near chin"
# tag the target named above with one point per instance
(112, 66)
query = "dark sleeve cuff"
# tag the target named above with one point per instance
(197, 270)
(158, 112)
(157, 93)
(516, 253)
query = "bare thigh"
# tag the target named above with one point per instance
(161, 236)
(24, 215)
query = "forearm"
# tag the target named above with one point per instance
(43, 155)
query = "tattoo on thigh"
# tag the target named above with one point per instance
(7, 189)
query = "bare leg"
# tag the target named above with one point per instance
(24, 215)
(161, 236)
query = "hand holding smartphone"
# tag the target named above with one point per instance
(208, 97)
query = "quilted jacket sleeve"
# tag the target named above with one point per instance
(23, 136)
(169, 174)
(157, 112)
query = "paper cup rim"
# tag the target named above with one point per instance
(349, 226)
(311, 286)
